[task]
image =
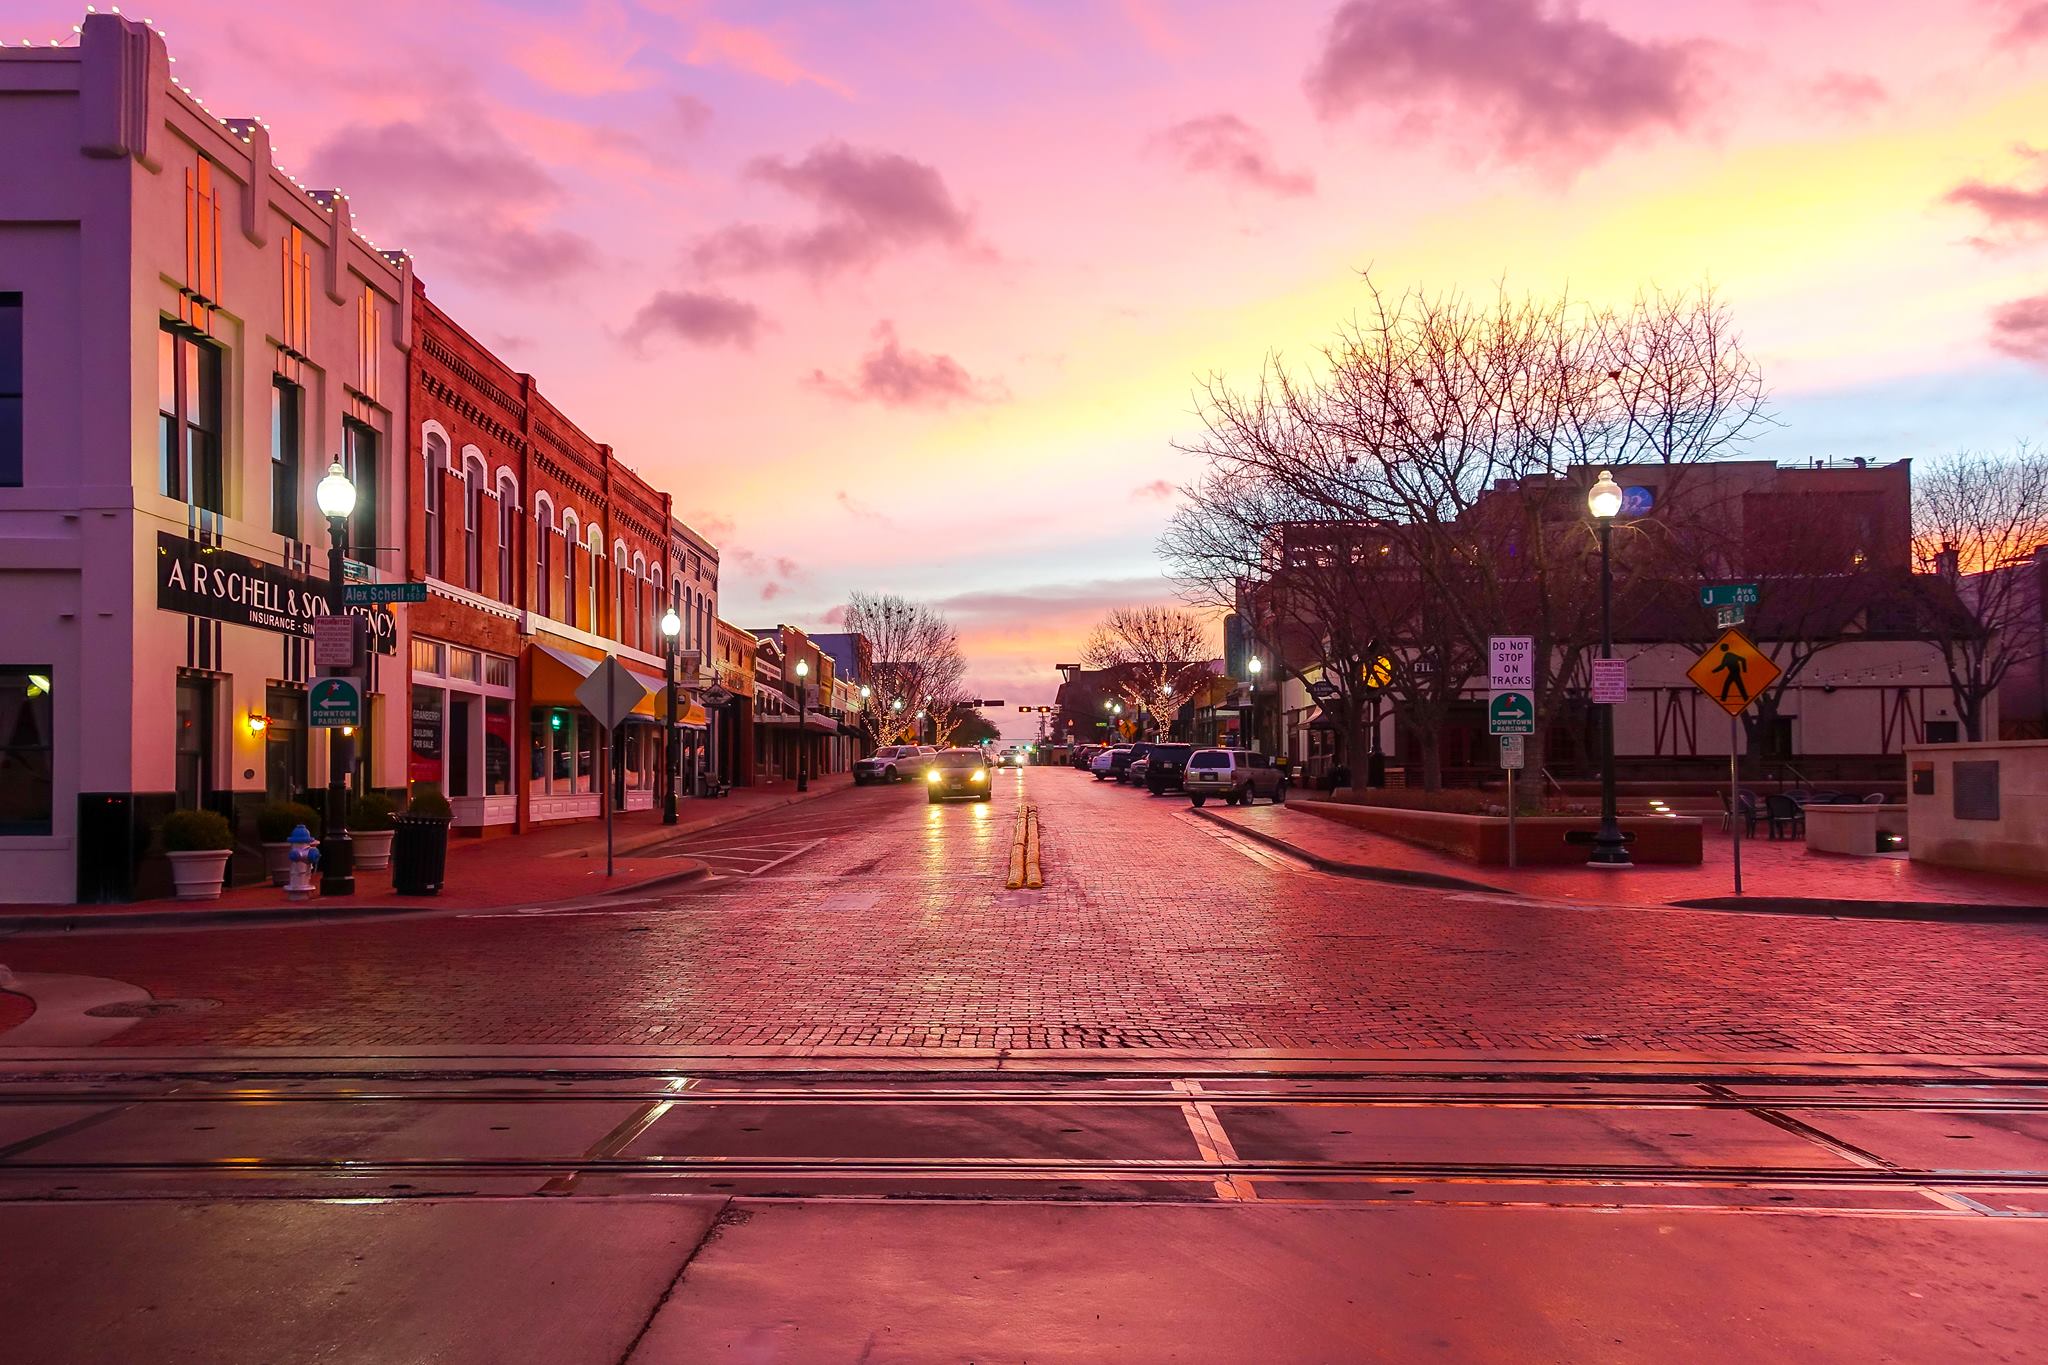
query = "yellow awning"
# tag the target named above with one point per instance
(559, 669)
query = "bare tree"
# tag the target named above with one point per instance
(1979, 521)
(1154, 655)
(910, 661)
(1475, 429)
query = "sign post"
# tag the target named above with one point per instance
(609, 694)
(1732, 672)
(1511, 760)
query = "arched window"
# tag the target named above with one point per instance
(593, 622)
(508, 501)
(475, 480)
(430, 500)
(569, 544)
(643, 633)
(544, 568)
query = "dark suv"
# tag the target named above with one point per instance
(1139, 753)
(1164, 767)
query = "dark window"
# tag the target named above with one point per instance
(430, 503)
(287, 435)
(359, 458)
(26, 752)
(189, 420)
(505, 536)
(284, 743)
(544, 575)
(473, 490)
(10, 391)
(569, 576)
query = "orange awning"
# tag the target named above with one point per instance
(559, 669)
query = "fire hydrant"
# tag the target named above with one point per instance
(301, 860)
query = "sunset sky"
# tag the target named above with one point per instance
(911, 296)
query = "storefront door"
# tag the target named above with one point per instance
(195, 742)
(460, 709)
(284, 744)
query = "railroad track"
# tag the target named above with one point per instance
(1876, 1141)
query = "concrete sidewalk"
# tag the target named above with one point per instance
(1778, 876)
(556, 863)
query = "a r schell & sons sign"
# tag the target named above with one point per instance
(204, 580)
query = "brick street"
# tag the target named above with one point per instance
(869, 919)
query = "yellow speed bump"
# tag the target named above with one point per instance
(1025, 873)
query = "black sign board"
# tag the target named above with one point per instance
(206, 580)
(426, 721)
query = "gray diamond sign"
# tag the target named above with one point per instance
(610, 693)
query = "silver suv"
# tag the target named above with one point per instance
(891, 763)
(1236, 775)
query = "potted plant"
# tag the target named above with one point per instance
(198, 843)
(371, 824)
(275, 821)
(420, 857)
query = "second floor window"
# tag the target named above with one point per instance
(430, 503)
(544, 569)
(287, 435)
(568, 577)
(188, 373)
(359, 457)
(11, 440)
(505, 501)
(473, 492)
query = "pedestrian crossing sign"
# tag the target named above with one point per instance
(1732, 672)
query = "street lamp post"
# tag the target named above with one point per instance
(671, 630)
(1254, 667)
(1610, 845)
(803, 720)
(336, 498)
(1168, 689)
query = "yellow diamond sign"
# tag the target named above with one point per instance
(1732, 672)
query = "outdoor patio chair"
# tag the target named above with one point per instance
(1748, 808)
(1874, 799)
(1786, 818)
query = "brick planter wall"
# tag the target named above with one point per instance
(1539, 839)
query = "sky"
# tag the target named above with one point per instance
(913, 297)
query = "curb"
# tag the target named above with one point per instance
(1397, 876)
(19, 926)
(686, 827)
(1934, 912)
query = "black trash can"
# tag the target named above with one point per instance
(419, 854)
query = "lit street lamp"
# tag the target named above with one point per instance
(803, 719)
(1254, 667)
(671, 629)
(336, 498)
(1610, 845)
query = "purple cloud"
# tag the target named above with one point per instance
(899, 378)
(1225, 145)
(1156, 491)
(1849, 92)
(693, 115)
(2011, 213)
(2020, 329)
(2029, 22)
(1541, 78)
(455, 186)
(698, 318)
(869, 204)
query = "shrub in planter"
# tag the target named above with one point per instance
(427, 800)
(371, 812)
(198, 843)
(275, 821)
(372, 821)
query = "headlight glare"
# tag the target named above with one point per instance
(931, 774)
(981, 774)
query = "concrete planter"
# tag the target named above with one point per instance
(373, 848)
(197, 873)
(1853, 829)
(277, 861)
(1540, 840)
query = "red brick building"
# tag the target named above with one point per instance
(542, 554)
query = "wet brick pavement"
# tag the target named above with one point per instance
(1156, 929)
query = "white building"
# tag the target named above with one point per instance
(187, 337)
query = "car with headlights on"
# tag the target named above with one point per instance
(956, 775)
(1012, 756)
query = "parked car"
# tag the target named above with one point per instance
(956, 775)
(1164, 767)
(1236, 775)
(1083, 755)
(1140, 751)
(1109, 762)
(890, 763)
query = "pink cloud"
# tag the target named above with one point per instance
(2029, 21)
(2011, 213)
(1157, 491)
(702, 319)
(1225, 145)
(2020, 329)
(869, 204)
(451, 184)
(756, 53)
(1850, 93)
(1538, 77)
(693, 115)
(899, 378)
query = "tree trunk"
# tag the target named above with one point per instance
(1428, 732)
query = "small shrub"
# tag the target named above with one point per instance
(1452, 801)
(427, 800)
(190, 831)
(275, 820)
(371, 812)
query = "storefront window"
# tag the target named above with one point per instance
(586, 754)
(462, 664)
(194, 742)
(26, 749)
(497, 747)
(427, 656)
